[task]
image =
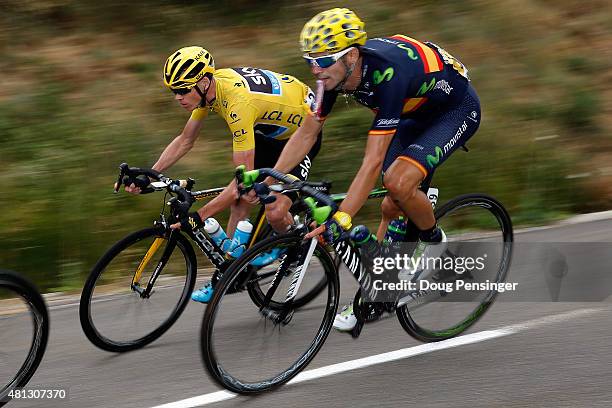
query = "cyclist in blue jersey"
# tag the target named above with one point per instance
(424, 109)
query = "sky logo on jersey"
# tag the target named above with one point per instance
(276, 87)
(260, 80)
(268, 130)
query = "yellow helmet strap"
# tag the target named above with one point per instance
(203, 94)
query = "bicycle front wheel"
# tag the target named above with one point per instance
(478, 228)
(116, 314)
(24, 330)
(250, 348)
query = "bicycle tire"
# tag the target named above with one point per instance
(37, 308)
(216, 369)
(497, 209)
(87, 322)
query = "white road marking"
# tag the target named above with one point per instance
(313, 374)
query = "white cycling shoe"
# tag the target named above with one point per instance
(345, 320)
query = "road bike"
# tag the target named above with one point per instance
(249, 348)
(24, 331)
(141, 285)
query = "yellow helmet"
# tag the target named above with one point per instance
(332, 30)
(187, 66)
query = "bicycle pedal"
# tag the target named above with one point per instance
(356, 331)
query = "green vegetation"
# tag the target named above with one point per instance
(82, 93)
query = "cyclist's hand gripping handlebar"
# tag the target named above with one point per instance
(137, 176)
(246, 181)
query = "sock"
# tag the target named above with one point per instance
(433, 234)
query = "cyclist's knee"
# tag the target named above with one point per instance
(402, 180)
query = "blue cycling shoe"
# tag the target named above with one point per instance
(204, 294)
(268, 257)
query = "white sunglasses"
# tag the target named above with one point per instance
(325, 61)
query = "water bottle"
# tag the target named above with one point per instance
(241, 238)
(369, 249)
(219, 237)
(366, 241)
(396, 231)
(361, 235)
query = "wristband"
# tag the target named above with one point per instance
(343, 219)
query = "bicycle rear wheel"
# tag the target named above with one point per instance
(476, 226)
(114, 315)
(248, 348)
(24, 331)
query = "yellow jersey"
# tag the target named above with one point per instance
(257, 101)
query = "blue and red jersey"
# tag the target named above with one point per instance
(404, 78)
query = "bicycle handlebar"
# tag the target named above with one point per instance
(320, 214)
(178, 187)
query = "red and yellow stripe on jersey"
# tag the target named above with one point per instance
(412, 104)
(378, 132)
(431, 60)
(431, 63)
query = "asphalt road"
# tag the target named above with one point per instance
(528, 353)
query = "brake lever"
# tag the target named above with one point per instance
(123, 167)
(263, 192)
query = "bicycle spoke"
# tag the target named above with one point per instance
(248, 351)
(118, 316)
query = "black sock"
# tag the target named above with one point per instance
(433, 234)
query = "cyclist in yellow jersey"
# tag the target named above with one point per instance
(262, 110)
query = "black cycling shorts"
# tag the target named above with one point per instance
(427, 144)
(267, 152)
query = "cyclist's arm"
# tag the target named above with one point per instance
(229, 194)
(389, 99)
(299, 144)
(241, 125)
(179, 146)
(368, 173)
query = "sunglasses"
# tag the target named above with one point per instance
(181, 91)
(325, 61)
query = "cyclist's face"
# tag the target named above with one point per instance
(188, 101)
(331, 76)
(334, 74)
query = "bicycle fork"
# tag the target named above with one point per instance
(286, 314)
(145, 292)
